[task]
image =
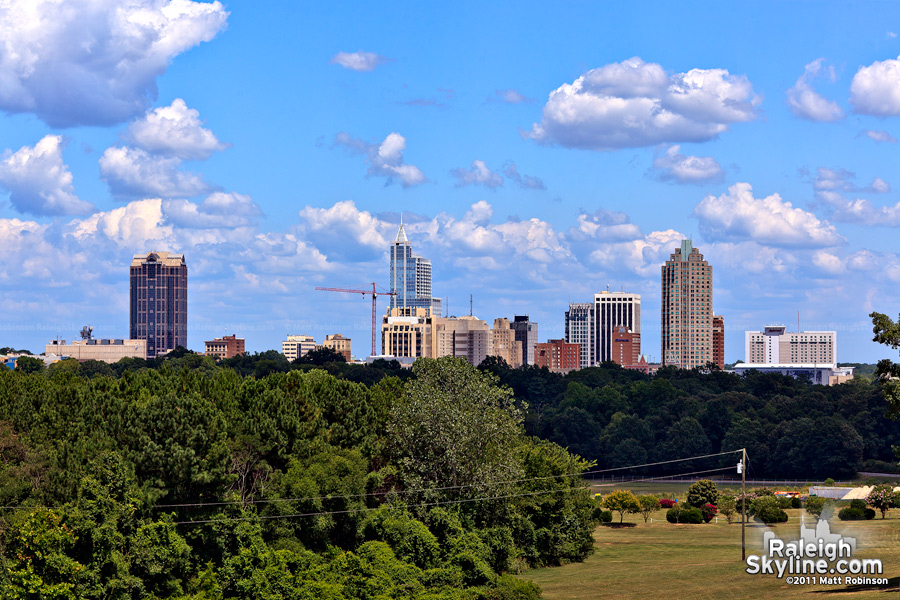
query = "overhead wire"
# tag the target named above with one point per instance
(430, 489)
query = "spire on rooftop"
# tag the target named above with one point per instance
(401, 234)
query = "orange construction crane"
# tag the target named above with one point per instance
(375, 295)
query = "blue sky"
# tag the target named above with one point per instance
(539, 152)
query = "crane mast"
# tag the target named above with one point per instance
(374, 294)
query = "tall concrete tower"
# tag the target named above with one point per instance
(687, 311)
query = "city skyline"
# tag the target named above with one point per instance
(536, 157)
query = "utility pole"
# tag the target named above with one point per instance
(743, 466)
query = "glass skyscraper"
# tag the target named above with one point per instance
(411, 277)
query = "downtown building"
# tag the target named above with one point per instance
(558, 356)
(527, 333)
(295, 346)
(159, 301)
(227, 346)
(775, 345)
(809, 355)
(595, 325)
(687, 311)
(410, 277)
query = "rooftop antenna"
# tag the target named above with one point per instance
(470, 305)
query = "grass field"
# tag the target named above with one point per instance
(661, 560)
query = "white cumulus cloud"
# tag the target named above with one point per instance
(39, 182)
(94, 62)
(174, 130)
(218, 210)
(806, 103)
(132, 173)
(358, 61)
(875, 89)
(633, 104)
(135, 225)
(738, 215)
(478, 174)
(675, 166)
(642, 256)
(605, 226)
(384, 159)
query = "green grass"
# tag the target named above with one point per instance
(661, 560)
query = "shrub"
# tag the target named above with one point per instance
(667, 502)
(795, 502)
(768, 510)
(851, 514)
(870, 514)
(860, 504)
(727, 508)
(708, 511)
(409, 539)
(510, 588)
(689, 515)
(783, 501)
(702, 492)
(882, 498)
(828, 482)
(815, 505)
(602, 516)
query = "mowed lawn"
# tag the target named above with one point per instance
(662, 560)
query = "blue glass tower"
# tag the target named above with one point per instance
(411, 277)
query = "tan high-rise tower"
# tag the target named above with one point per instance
(687, 314)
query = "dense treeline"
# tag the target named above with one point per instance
(190, 480)
(791, 429)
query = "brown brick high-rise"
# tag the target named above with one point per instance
(159, 301)
(687, 297)
(718, 324)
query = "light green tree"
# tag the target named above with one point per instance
(649, 503)
(727, 507)
(622, 501)
(454, 426)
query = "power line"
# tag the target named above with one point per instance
(367, 509)
(445, 488)
(433, 489)
(418, 505)
(661, 477)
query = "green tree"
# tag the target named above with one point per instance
(768, 510)
(887, 332)
(455, 427)
(702, 492)
(622, 501)
(37, 555)
(649, 503)
(320, 356)
(27, 364)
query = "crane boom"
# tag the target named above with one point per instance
(375, 295)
